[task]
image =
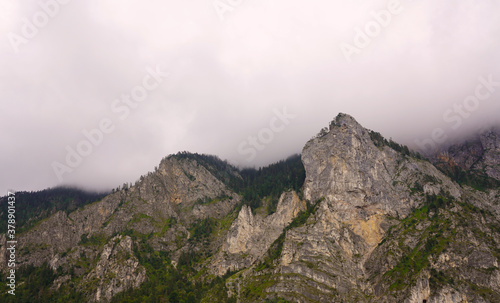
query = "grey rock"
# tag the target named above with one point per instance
(367, 217)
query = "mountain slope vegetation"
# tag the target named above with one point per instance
(354, 218)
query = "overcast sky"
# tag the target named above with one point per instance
(248, 80)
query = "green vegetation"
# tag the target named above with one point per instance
(254, 184)
(438, 279)
(166, 225)
(202, 229)
(190, 177)
(276, 248)
(225, 223)
(222, 170)
(273, 253)
(417, 188)
(166, 283)
(303, 216)
(95, 240)
(475, 179)
(208, 201)
(433, 240)
(254, 290)
(380, 141)
(138, 217)
(32, 207)
(271, 181)
(435, 227)
(276, 300)
(33, 285)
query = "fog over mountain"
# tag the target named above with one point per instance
(97, 92)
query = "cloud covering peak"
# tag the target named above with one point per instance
(411, 71)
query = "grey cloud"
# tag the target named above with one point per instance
(227, 78)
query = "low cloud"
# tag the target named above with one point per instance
(228, 76)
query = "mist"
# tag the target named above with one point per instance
(95, 93)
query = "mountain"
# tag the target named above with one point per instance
(35, 206)
(355, 218)
(475, 162)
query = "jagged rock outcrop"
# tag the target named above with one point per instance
(117, 270)
(479, 154)
(363, 192)
(250, 236)
(162, 203)
(371, 224)
(360, 179)
(360, 185)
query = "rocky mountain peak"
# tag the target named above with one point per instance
(371, 222)
(478, 155)
(346, 120)
(360, 183)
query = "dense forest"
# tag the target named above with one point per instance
(476, 179)
(255, 184)
(271, 181)
(32, 207)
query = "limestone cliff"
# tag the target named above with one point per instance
(250, 236)
(370, 224)
(355, 244)
(479, 154)
(88, 242)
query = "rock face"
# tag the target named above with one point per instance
(162, 204)
(358, 239)
(117, 270)
(250, 236)
(362, 184)
(371, 224)
(360, 180)
(480, 154)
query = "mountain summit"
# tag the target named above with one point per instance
(356, 218)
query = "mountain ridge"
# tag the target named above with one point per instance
(366, 207)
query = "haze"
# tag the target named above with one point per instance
(238, 71)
